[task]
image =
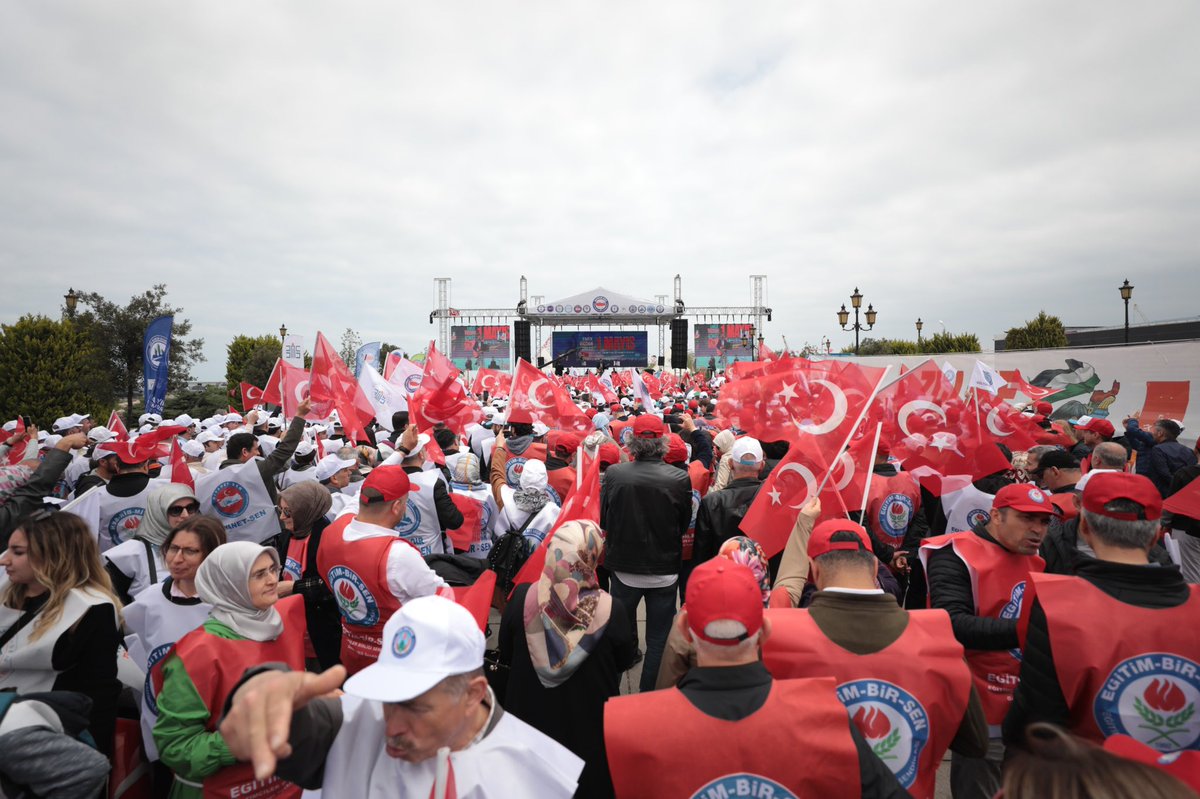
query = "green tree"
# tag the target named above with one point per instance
(240, 351)
(884, 346)
(50, 369)
(351, 341)
(1044, 332)
(117, 332)
(951, 342)
(198, 401)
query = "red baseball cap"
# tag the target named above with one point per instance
(1095, 425)
(610, 454)
(821, 541)
(391, 481)
(1104, 487)
(1183, 766)
(1024, 497)
(648, 426)
(1042, 407)
(562, 442)
(721, 590)
(676, 449)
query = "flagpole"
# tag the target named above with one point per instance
(871, 473)
(978, 423)
(866, 406)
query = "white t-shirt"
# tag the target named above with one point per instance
(408, 575)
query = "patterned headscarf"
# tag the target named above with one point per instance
(566, 612)
(12, 478)
(749, 552)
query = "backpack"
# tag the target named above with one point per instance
(509, 555)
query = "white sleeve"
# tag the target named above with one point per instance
(408, 575)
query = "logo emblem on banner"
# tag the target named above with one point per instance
(600, 304)
(743, 785)
(1152, 697)
(578, 309)
(354, 600)
(411, 521)
(587, 309)
(156, 347)
(413, 382)
(977, 516)
(149, 695)
(124, 523)
(895, 513)
(894, 723)
(230, 499)
(512, 471)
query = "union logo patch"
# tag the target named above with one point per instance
(895, 512)
(403, 642)
(124, 523)
(747, 785)
(894, 723)
(1152, 697)
(355, 602)
(512, 471)
(229, 499)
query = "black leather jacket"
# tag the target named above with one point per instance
(720, 514)
(645, 508)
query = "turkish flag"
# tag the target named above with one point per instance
(791, 484)
(477, 598)
(469, 532)
(582, 503)
(1003, 423)
(598, 389)
(535, 398)
(251, 395)
(765, 353)
(117, 426)
(288, 386)
(493, 381)
(180, 473)
(332, 382)
(441, 397)
(1028, 389)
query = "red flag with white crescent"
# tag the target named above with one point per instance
(117, 426)
(441, 397)
(251, 395)
(332, 382)
(535, 398)
(180, 473)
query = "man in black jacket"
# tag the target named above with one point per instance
(721, 512)
(645, 508)
(1123, 631)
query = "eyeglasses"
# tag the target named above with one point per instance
(192, 508)
(187, 552)
(284, 512)
(261, 574)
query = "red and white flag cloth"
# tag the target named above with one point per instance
(333, 382)
(1004, 424)
(407, 375)
(583, 502)
(180, 473)
(641, 390)
(252, 395)
(288, 386)
(985, 378)
(1034, 393)
(441, 397)
(599, 389)
(117, 426)
(535, 398)
(493, 381)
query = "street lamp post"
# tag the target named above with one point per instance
(282, 337)
(844, 316)
(1126, 292)
(72, 299)
(920, 325)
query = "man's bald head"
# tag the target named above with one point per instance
(1109, 455)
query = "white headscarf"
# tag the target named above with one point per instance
(156, 524)
(223, 581)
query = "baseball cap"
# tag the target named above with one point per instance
(1057, 459)
(233, 417)
(746, 450)
(720, 590)
(676, 450)
(305, 447)
(563, 442)
(821, 541)
(207, 436)
(427, 640)
(1088, 477)
(184, 419)
(1095, 425)
(64, 423)
(609, 453)
(539, 429)
(1107, 487)
(1183, 765)
(330, 465)
(1043, 408)
(100, 434)
(390, 481)
(1025, 498)
(192, 449)
(150, 418)
(648, 426)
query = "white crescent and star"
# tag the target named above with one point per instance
(840, 406)
(909, 408)
(993, 423)
(847, 470)
(532, 393)
(810, 484)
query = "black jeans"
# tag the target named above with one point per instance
(660, 612)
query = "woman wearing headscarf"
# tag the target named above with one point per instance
(245, 628)
(302, 509)
(474, 498)
(163, 614)
(137, 563)
(567, 642)
(722, 443)
(529, 502)
(63, 621)
(679, 654)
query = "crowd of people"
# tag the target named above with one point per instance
(256, 606)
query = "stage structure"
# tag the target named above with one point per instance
(735, 331)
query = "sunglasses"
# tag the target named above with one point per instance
(192, 509)
(284, 512)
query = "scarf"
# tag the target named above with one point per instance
(12, 478)
(749, 552)
(223, 581)
(566, 612)
(155, 524)
(532, 496)
(308, 501)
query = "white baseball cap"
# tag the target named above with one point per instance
(427, 640)
(64, 423)
(99, 434)
(331, 464)
(305, 447)
(230, 418)
(209, 435)
(540, 429)
(193, 449)
(746, 450)
(150, 418)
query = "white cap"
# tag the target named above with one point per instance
(540, 429)
(427, 640)
(208, 421)
(1082, 421)
(99, 434)
(331, 464)
(1083, 481)
(64, 423)
(184, 419)
(48, 441)
(43, 435)
(746, 450)
(146, 428)
(305, 447)
(193, 449)
(207, 436)
(422, 440)
(498, 420)
(232, 417)
(150, 418)
(79, 417)
(533, 474)
(275, 422)
(10, 426)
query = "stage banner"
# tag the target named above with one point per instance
(717, 346)
(602, 349)
(480, 347)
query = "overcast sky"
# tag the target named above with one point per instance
(320, 163)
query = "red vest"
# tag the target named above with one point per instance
(998, 583)
(356, 573)
(893, 503)
(701, 478)
(297, 557)
(215, 665)
(907, 699)
(514, 464)
(469, 533)
(561, 480)
(797, 743)
(1124, 670)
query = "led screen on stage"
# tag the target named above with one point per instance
(719, 345)
(613, 347)
(480, 346)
